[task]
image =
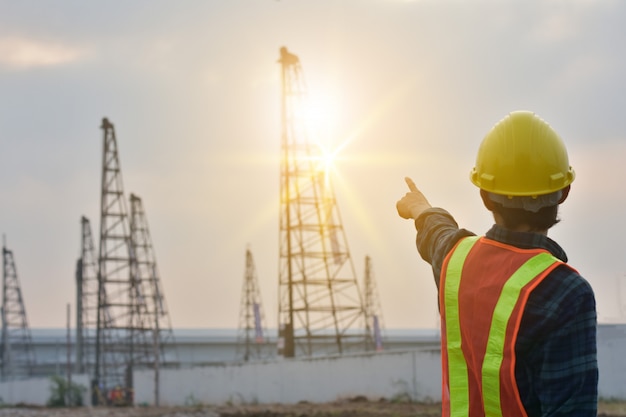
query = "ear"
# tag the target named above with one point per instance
(565, 194)
(486, 200)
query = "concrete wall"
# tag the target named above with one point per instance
(36, 391)
(413, 374)
(612, 361)
(410, 375)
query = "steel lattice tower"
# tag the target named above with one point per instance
(18, 355)
(86, 299)
(124, 324)
(252, 334)
(113, 344)
(320, 309)
(373, 310)
(152, 314)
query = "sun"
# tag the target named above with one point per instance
(327, 160)
(320, 114)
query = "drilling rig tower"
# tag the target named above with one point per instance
(252, 335)
(86, 299)
(17, 353)
(129, 323)
(320, 307)
(152, 316)
(373, 310)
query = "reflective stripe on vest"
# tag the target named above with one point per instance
(457, 364)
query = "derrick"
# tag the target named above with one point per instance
(320, 306)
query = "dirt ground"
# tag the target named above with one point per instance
(354, 408)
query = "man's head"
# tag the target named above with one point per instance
(523, 171)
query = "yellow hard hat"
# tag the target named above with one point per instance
(522, 156)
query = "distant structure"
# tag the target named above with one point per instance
(16, 353)
(373, 310)
(86, 300)
(320, 307)
(252, 335)
(132, 320)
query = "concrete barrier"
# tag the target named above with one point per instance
(611, 362)
(36, 391)
(411, 375)
(408, 375)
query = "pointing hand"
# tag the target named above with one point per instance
(413, 203)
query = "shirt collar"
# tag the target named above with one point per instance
(526, 240)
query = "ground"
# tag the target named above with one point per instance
(353, 408)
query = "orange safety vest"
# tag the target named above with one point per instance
(484, 288)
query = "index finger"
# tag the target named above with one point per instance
(411, 184)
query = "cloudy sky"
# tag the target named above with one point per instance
(405, 88)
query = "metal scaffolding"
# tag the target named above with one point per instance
(252, 335)
(16, 354)
(320, 308)
(373, 310)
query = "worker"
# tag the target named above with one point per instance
(518, 324)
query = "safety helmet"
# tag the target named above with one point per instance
(522, 156)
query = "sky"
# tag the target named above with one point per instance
(403, 88)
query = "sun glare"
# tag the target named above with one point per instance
(327, 160)
(321, 116)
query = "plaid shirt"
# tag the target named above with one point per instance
(556, 368)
